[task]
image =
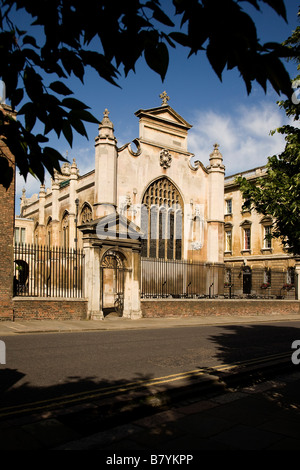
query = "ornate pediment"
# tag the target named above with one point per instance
(163, 127)
(163, 114)
(113, 226)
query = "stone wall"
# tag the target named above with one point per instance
(207, 307)
(38, 308)
(76, 309)
(7, 215)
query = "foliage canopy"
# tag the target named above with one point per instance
(278, 193)
(111, 36)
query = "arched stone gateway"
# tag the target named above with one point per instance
(112, 282)
(112, 247)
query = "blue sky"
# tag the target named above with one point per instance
(219, 112)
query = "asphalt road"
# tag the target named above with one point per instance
(41, 366)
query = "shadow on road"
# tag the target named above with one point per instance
(235, 341)
(103, 404)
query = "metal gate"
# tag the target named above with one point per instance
(247, 280)
(112, 276)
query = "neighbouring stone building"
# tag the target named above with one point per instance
(248, 245)
(150, 199)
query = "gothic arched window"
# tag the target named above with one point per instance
(161, 220)
(49, 232)
(86, 214)
(65, 230)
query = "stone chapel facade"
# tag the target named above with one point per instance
(150, 199)
(167, 204)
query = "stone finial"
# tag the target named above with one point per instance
(216, 159)
(106, 127)
(106, 113)
(42, 193)
(216, 152)
(23, 197)
(74, 169)
(165, 98)
(106, 121)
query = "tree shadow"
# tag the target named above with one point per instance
(89, 405)
(243, 342)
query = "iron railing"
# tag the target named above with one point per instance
(162, 278)
(180, 279)
(48, 271)
(258, 283)
(57, 272)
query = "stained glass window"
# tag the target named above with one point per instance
(161, 220)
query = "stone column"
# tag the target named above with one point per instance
(55, 214)
(41, 227)
(105, 169)
(92, 280)
(215, 221)
(136, 310)
(72, 206)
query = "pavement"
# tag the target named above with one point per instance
(253, 408)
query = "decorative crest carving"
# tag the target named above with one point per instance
(197, 246)
(165, 158)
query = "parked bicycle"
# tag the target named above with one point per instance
(119, 303)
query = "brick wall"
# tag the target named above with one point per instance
(32, 308)
(7, 215)
(235, 307)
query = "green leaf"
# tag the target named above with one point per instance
(17, 97)
(278, 6)
(6, 172)
(73, 103)
(53, 157)
(67, 131)
(101, 64)
(33, 84)
(77, 124)
(157, 57)
(41, 138)
(217, 57)
(254, 3)
(60, 88)
(30, 120)
(84, 116)
(32, 56)
(72, 63)
(158, 14)
(30, 40)
(181, 38)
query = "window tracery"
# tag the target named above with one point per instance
(86, 214)
(162, 212)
